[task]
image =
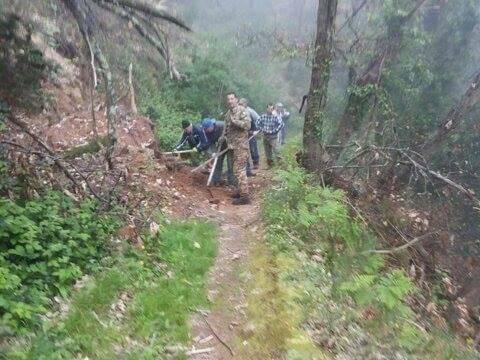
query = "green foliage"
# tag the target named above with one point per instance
(158, 287)
(213, 71)
(304, 220)
(386, 292)
(210, 74)
(167, 114)
(46, 244)
(188, 249)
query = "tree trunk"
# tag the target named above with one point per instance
(388, 49)
(448, 124)
(317, 96)
(111, 106)
(79, 13)
(453, 119)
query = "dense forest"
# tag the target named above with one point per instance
(358, 236)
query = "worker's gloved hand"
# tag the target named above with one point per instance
(221, 140)
(214, 155)
(195, 149)
(256, 132)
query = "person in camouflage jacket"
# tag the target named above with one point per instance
(237, 125)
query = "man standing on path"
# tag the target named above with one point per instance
(237, 125)
(253, 115)
(270, 124)
(284, 115)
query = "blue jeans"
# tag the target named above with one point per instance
(217, 172)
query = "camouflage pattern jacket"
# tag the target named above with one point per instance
(237, 125)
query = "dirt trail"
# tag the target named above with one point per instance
(218, 328)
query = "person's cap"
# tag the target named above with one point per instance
(206, 123)
(280, 105)
(185, 124)
(243, 102)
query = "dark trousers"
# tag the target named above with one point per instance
(254, 151)
(283, 133)
(217, 172)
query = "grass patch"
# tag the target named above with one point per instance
(274, 308)
(160, 287)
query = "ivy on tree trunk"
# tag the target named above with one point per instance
(317, 97)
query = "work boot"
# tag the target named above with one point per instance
(251, 174)
(255, 166)
(242, 200)
(235, 195)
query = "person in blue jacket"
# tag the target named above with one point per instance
(214, 130)
(193, 136)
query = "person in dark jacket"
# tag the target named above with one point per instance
(193, 136)
(214, 130)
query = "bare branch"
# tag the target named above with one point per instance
(132, 90)
(400, 248)
(111, 104)
(56, 159)
(351, 17)
(451, 121)
(145, 8)
(24, 127)
(137, 23)
(92, 61)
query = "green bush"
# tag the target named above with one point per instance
(164, 283)
(46, 244)
(304, 219)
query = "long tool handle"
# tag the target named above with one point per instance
(179, 152)
(212, 171)
(201, 166)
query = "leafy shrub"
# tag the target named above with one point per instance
(167, 117)
(165, 282)
(46, 244)
(214, 68)
(303, 217)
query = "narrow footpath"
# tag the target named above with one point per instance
(216, 331)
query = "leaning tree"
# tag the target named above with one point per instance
(145, 17)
